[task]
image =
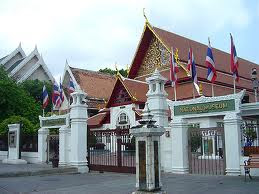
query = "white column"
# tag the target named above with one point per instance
(180, 146)
(63, 145)
(166, 150)
(232, 124)
(78, 139)
(42, 144)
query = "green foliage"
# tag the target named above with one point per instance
(123, 72)
(250, 134)
(14, 100)
(196, 142)
(34, 89)
(27, 128)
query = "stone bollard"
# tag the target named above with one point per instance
(148, 173)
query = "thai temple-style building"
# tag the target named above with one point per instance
(97, 85)
(153, 52)
(21, 67)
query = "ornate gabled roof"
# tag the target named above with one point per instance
(222, 59)
(15, 65)
(169, 39)
(27, 59)
(40, 63)
(136, 90)
(7, 58)
(95, 84)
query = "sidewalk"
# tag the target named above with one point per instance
(116, 183)
(12, 170)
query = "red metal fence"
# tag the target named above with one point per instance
(111, 150)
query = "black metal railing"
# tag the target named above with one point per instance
(3, 143)
(29, 143)
(250, 139)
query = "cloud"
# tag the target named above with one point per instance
(96, 34)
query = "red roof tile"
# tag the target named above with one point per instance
(222, 59)
(95, 84)
(96, 120)
(137, 88)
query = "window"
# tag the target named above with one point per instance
(123, 118)
(123, 121)
(153, 87)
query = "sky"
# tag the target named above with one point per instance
(94, 34)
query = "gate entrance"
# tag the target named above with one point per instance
(53, 147)
(111, 150)
(206, 148)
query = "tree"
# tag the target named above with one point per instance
(15, 101)
(34, 89)
(28, 128)
(123, 72)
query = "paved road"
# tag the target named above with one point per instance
(112, 183)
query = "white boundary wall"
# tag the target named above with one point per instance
(30, 157)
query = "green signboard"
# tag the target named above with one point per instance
(209, 107)
(54, 122)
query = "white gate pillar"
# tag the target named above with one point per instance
(42, 144)
(157, 98)
(63, 145)
(78, 115)
(232, 124)
(179, 133)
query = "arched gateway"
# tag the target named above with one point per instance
(72, 135)
(206, 135)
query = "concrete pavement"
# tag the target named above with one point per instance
(115, 183)
(11, 170)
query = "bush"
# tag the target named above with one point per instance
(99, 146)
(28, 128)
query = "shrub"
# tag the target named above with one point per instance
(28, 128)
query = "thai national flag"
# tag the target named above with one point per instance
(173, 68)
(233, 60)
(212, 75)
(71, 88)
(45, 97)
(56, 101)
(192, 68)
(61, 92)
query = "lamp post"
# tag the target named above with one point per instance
(255, 82)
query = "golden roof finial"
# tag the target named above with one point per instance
(145, 15)
(127, 69)
(116, 68)
(200, 89)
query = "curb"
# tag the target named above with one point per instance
(40, 172)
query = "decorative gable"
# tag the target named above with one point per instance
(156, 56)
(120, 95)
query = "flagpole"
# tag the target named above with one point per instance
(193, 92)
(212, 89)
(234, 86)
(175, 99)
(43, 113)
